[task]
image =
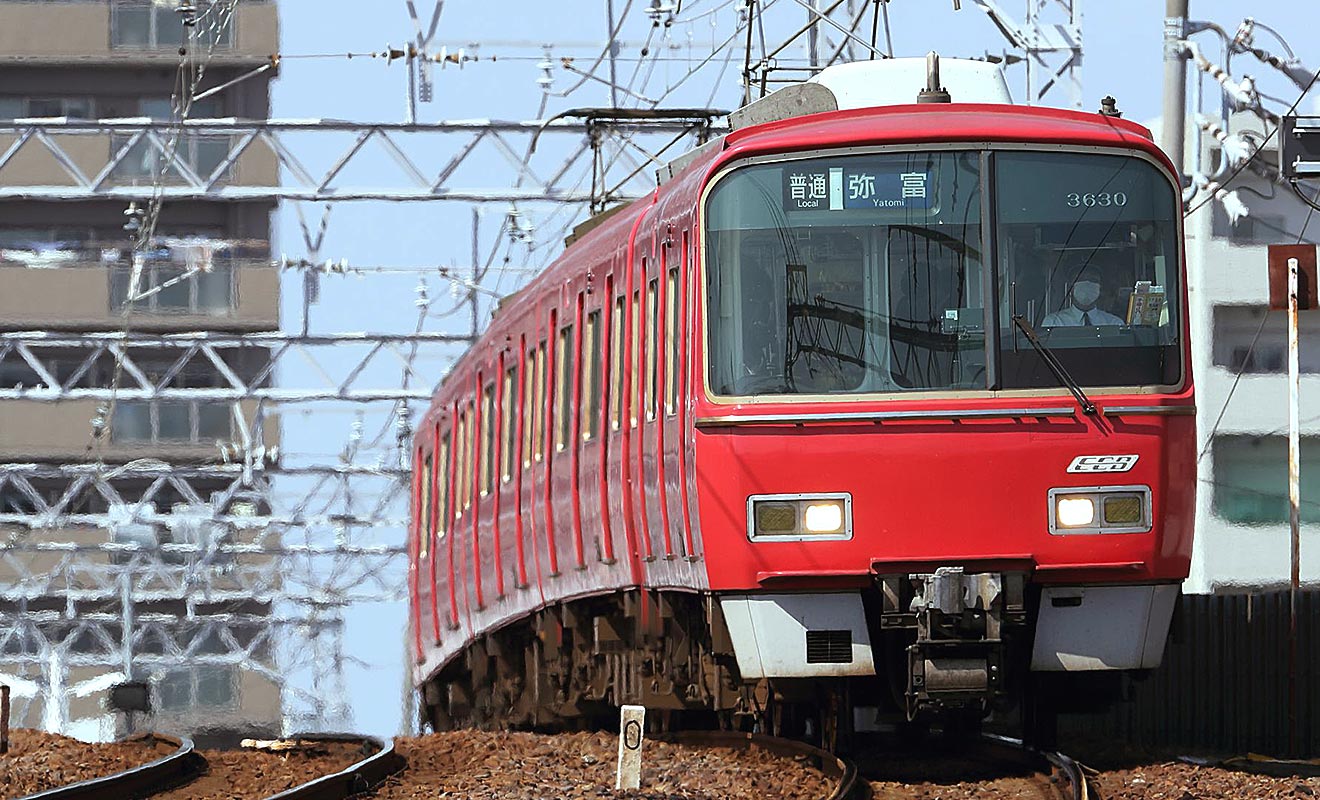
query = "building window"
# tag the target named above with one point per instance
(71, 106)
(1251, 479)
(171, 422)
(148, 24)
(200, 154)
(209, 686)
(1235, 328)
(1256, 228)
(173, 282)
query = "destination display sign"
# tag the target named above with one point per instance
(847, 187)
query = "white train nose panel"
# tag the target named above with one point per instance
(798, 635)
(1083, 628)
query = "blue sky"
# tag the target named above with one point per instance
(1123, 57)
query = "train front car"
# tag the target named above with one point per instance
(944, 420)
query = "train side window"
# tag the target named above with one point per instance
(464, 458)
(442, 500)
(487, 465)
(616, 363)
(427, 526)
(636, 352)
(652, 329)
(671, 343)
(508, 437)
(529, 410)
(539, 410)
(564, 388)
(591, 374)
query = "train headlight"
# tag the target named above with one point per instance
(823, 517)
(797, 517)
(1074, 512)
(1100, 509)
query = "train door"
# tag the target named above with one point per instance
(591, 520)
(531, 455)
(490, 559)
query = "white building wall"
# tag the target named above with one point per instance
(1233, 556)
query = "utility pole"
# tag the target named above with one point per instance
(813, 34)
(1175, 82)
(614, 55)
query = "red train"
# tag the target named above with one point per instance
(889, 405)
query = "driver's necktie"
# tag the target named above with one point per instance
(1086, 317)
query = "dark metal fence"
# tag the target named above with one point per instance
(1223, 687)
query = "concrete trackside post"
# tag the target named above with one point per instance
(632, 721)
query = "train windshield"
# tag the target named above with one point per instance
(871, 273)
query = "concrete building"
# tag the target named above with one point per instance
(66, 267)
(1242, 536)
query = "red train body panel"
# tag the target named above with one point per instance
(544, 482)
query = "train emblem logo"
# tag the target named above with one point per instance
(1102, 464)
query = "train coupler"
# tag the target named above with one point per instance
(956, 661)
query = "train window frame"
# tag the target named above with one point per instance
(616, 361)
(427, 507)
(592, 374)
(671, 341)
(703, 312)
(635, 358)
(486, 453)
(540, 410)
(528, 406)
(442, 488)
(465, 457)
(508, 435)
(565, 383)
(652, 342)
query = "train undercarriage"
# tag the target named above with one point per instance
(947, 646)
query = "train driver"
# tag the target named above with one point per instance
(1081, 309)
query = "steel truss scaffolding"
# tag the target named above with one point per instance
(135, 147)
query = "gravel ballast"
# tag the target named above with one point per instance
(249, 774)
(39, 761)
(504, 766)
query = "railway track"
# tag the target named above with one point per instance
(175, 769)
(358, 778)
(841, 770)
(182, 772)
(997, 766)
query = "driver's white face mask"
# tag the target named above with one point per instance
(1085, 293)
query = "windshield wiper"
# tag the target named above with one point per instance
(1052, 361)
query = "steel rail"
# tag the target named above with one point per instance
(842, 770)
(1059, 764)
(175, 769)
(355, 779)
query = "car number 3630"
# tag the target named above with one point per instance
(1094, 199)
